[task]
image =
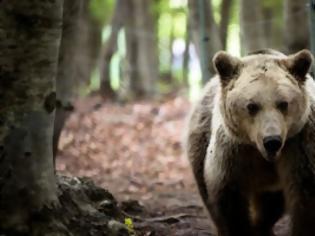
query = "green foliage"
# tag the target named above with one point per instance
(233, 40)
(102, 9)
(129, 224)
(235, 9)
(276, 4)
(180, 25)
(216, 8)
(171, 18)
(161, 6)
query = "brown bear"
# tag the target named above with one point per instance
(251, 143)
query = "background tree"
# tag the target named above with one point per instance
(89, 40)
(110, 47)
(140, 73)
(147, 50)
(272, 23)
(66, 83)
(251, 22)
(185, 64)
(29, 43)
(211, 41)
(225, 12)
(296, 25)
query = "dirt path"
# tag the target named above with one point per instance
(134, 151)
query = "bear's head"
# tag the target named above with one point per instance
(263, 97)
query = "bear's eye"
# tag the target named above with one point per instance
(282, 106)
(253, 108)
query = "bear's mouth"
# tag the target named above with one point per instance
(272, 157)
(269, 156)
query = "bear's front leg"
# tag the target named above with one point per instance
(297, 171)
(226, 201)
(229, 211)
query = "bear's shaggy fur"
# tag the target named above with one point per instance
(251, 143)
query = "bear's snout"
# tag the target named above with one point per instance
(272, 144)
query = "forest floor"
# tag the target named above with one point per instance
(135, 152)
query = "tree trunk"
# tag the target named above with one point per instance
(252, 30)
(141, 70)
(186, 54)
(147, 46)
(268, 26)
(211, 41)
(273, 24)
(171, 42)
(226, 6)
(296, 25)
(131, 83)
(89, 44)
(66, 82)
(110, 48)
(29, 43)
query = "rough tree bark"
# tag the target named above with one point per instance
(110, 48)
(225, 10)
(32, 202)
(66, 82)
(296, 25)
(30, 34)
(252, 30)
(212, 38)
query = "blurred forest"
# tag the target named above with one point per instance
(121, 75)
(165, 46)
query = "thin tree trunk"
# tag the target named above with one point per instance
(131, 83)
(142, 61)
(226, 6)
(268, 26)
(89, 44)
(212, 42)
(147, 46)
(66, 82)
(273, 24)
(296, 25)
(186, 54)
(171, 38)
(29, 42)
(110, 48)
(252, 30)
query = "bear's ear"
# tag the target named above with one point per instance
(226, 66)
(299, 64)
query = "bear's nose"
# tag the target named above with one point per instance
(272, 144)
